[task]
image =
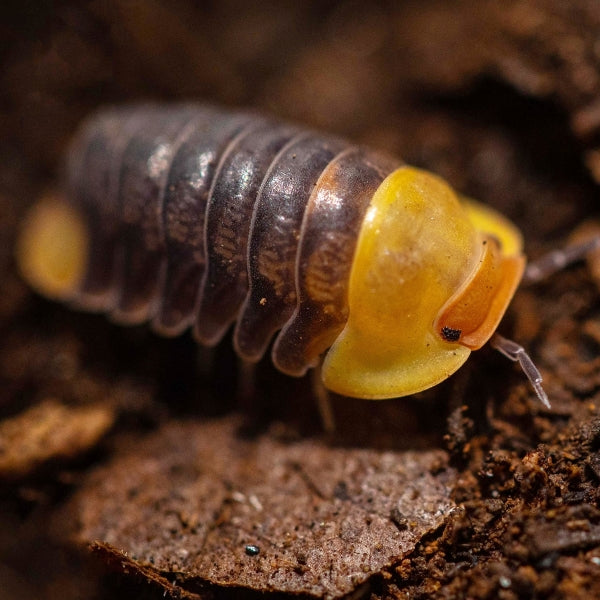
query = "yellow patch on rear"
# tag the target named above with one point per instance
(52, 248)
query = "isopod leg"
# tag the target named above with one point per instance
(323, 398)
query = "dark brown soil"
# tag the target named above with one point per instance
(128, 468)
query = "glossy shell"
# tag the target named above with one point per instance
(191, 216)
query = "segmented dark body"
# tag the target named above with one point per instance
(201, 217)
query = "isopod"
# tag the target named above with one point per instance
(193, 216)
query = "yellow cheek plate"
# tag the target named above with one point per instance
(416, 247)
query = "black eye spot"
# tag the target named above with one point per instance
(451, 335)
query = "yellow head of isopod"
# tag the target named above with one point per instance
(431, 278)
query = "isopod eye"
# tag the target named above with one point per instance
(420, 250)
(450, 334)
(473, 313)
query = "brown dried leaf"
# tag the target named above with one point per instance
(121, 562)
(193, 500)
(47, 431)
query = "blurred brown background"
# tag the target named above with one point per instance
(500, 97)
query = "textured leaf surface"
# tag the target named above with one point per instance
(193, 496)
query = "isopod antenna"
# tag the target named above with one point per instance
(557, 260)
(537, 271)
(517, 353)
